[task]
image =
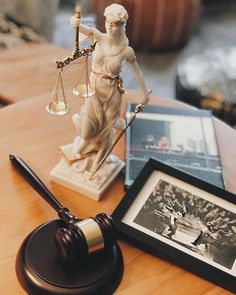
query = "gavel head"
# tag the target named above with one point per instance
(82, 238)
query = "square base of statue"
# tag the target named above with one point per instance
(72, 177)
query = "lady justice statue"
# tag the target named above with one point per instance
(100, 114)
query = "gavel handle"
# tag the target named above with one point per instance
(36, 183)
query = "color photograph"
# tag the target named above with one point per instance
(184, 139)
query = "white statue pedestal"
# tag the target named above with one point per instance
(71, 177)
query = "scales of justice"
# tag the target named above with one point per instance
(87, 164)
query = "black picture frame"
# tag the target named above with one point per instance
(183, 219)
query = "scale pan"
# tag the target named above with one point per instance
(58, 108)
(83, 90)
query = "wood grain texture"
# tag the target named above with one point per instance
(28, 131)
(37, 62)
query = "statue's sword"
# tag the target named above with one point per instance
(137, 110)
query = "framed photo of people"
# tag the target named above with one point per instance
(181, 138)
(177, 216)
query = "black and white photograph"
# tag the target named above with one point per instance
(183, 219)
(187, 218)
(191, 221)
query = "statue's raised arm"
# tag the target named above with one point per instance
(88, 31)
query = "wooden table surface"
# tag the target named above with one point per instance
(28, 131)
(30, 70)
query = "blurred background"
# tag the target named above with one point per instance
(186, 49)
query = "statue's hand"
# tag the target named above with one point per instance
(146, 96)
(74, 22)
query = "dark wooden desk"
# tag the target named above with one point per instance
(30, 132)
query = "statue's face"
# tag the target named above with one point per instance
(113, 28)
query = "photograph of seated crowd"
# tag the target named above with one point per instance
(190, 221)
